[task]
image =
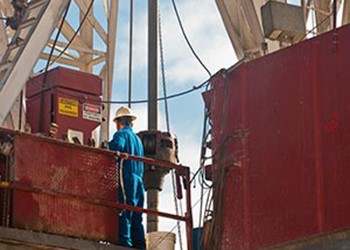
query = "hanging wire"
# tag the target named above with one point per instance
(56, 40)
(334, 14)
(85, 98)
(130, 50)
(42, 99)
(316, 26)
(161, 48)
(187, 40)
(72, 38)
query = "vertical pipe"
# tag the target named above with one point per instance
(152, 204)
(152, 64)
(189, 223)
(152, 194)
(130, 50)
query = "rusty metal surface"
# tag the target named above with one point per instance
(281, 133)
(77, 87)
(67, 189)
(69, 169)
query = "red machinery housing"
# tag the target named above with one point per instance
(69, 98)
(58, 187)
(281, 144)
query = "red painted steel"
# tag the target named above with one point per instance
(66, 78)
(76, 86)
(71, 190)
(281, 128)
(60, 167)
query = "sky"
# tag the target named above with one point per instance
(206, 32)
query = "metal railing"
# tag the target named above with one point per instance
(180, 171)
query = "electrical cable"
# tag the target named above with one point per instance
(187, 40)
(219, 176)
(55, 41)
(42, 99)
(74, 35)
(316, 26)
(182, 93)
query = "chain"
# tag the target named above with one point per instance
(167, 121)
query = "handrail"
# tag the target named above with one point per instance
(180, 171)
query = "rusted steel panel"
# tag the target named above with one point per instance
(64, 100)
(281, 130)
(68, 169)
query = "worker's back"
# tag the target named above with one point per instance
(126, 141)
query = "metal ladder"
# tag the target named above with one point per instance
(37, 23)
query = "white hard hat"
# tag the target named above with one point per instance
(124, 111)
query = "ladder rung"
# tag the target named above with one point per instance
(27, 23)
(15, 44)
(35, 4)
(4, 66)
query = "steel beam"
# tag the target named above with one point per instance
(91, 20)
(86, 34)
(3, 39)
(346, 12)
(16, 79)
(68, 33)
(107, 70)
(323, 15)
(78, 48)
(242, 25)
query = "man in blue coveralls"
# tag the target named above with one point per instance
(131, 231)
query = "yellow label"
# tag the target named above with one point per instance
(67, 107)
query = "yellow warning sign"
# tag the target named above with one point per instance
(68, 107)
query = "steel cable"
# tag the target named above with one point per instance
(162, 63)
(187, 40)
(73, 37)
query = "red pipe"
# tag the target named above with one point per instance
(94, 201)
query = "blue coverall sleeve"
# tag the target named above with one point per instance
(117, 143)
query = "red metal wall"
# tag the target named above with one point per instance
(56, 177)
(281, 128)
(78, 87)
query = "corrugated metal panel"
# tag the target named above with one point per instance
(71, 171)
(281, 128)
